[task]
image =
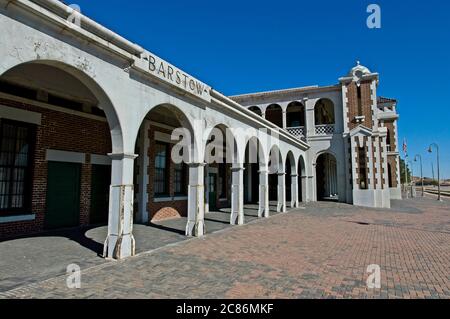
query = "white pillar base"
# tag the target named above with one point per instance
(237, 195)
(196, 201)
(264, 208)
(120, 243)
(281, 207)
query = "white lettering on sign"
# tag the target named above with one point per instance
(175, 76)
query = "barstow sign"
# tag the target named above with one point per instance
(173, 76)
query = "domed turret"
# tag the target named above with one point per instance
(359, 70)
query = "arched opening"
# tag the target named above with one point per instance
(161, 172)
(295, 115)
(391, 184)
(324, 117)
(291, 174)
(389, 140)
(302, 180)
(254, 161)
(256, 109)
(221, 153)
(56, 128)
(277, 187)
(326, 178)
(274, 114)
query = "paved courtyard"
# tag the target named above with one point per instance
(322, 251)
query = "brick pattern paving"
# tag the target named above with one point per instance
(320, 252)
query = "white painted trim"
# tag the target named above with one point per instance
(164, 137)
(170, 199)
(161, 125)
(143, 179)
(52, 107)
(162, 199)
(17, 218)
(100, 160)
(20, 115)
(66, 157)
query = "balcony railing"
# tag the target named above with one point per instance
(298, 132)
(325, 129)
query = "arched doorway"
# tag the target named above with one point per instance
(256, 109)
(302, 180)
(253, 163)
(277, 179)
(291, 181)
(65, 125)
(161, 170)
(220, 155)
(326, 178)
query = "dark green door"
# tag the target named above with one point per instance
(212, 180)
(100, 183)
(63, 195)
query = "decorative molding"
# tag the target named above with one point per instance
(100, 160)
(65, 157)
(16, 114)
(17, 218)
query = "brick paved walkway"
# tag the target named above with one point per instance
(319, 252)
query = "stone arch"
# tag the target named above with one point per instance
(326, 176)
(104, 101)
(274, 114)
(302, 179)
(290, 170)
(231, 142)
(177, 122)
(256, 109)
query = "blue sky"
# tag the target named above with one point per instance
(248, 46)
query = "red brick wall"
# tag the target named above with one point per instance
(172, 209)
(392, 160)
(366, 98)
(66, 132)
(162, 210)
(392, 138)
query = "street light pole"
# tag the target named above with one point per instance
(430, 150)
(418, 156)
(412, 179)
(406, 175)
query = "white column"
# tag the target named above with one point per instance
(144, 144)
(310, 125)
(294, 191)
(120, 242)
(284, 119)
(305, 194)
(196, 200)
(281, 207)
(264, 209)
(237, 195)
(207, 190)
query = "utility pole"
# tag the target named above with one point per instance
(432, 171)
(430, 150)
(412, 179)
(418, 156)
(406, 175)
